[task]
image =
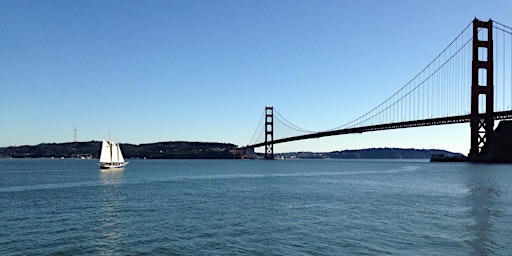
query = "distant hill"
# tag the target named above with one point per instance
(200, 150)
(159, 150)
(373, 153)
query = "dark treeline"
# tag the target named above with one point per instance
(199, 150)
(388, 153)
(159, 150)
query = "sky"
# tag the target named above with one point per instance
(202, 70)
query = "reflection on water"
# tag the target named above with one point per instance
(483, 201)
(111, 176)
(109, 220)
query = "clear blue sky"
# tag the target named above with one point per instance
(204, 70)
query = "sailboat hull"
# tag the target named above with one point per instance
(112, 165)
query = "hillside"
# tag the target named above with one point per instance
(159, 150)
(200, 150)
(372, 153)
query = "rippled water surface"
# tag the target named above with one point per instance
(301, 207)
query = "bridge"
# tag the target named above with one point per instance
(468, 82)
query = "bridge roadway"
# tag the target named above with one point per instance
(418, 123)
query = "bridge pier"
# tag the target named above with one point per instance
(248, 153)
(482, 124)
(499, 150)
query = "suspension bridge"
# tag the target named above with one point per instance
(468, 82)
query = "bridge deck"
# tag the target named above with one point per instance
(418, 123)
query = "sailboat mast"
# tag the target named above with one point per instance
(110, 143)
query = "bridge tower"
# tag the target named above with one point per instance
(482, 88)
(269, 133)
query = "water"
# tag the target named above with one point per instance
(302, 207)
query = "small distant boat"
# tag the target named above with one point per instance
(111, 156)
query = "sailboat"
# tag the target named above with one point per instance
(111, 156)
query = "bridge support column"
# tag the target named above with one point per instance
(482, 108)
(269, 133)
(248, 153)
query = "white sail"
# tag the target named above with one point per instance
(119, 154)
(105, 156)
(114, 149)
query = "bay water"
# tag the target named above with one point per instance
(237, 207)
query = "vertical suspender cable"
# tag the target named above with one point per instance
(504, 58)
(455, 83)
(496, 82)
(449, 89)
(444, 87)
(422, 104)
(462, 81)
